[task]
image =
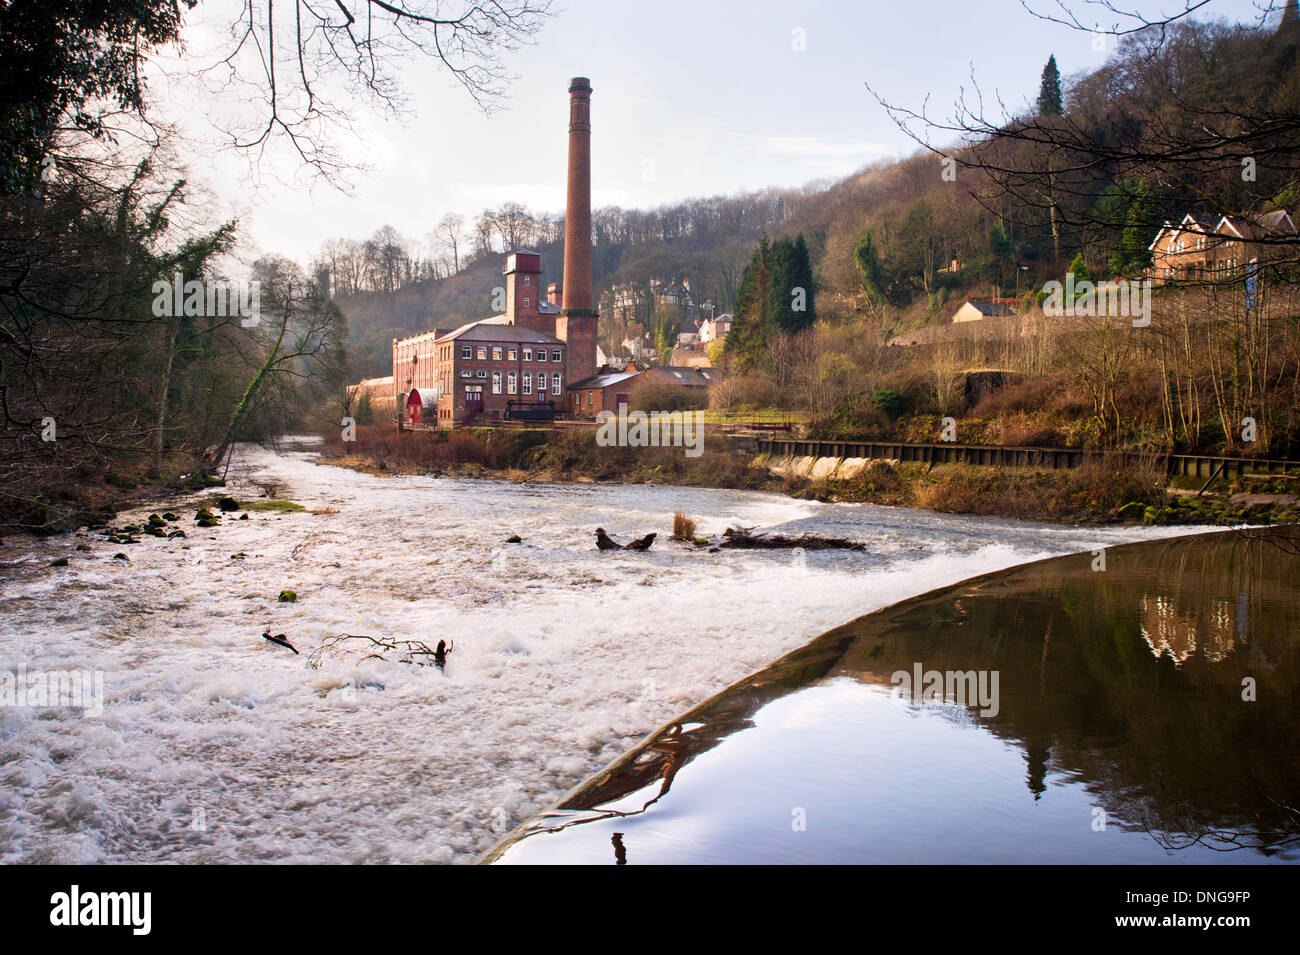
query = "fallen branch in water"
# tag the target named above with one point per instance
(744, 538)
(406, 651)
(279, 639)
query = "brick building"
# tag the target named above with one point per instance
(611, 390)
(1208, 248)
(524, 358)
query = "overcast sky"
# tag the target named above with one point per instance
(691, 98)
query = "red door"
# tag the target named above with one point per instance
(473, 399)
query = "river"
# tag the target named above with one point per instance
(215, 745)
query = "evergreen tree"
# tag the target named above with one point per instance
(750, 332)
(868, 261)
(780, 267)
(801, 277)
(1049, 93)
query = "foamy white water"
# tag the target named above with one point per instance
(218, 746)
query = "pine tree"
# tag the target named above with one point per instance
(868, 261)
(750, 332)
(801, 276)
(1049, 93)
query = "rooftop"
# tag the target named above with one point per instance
(496, 329)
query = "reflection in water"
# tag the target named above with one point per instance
(1157, 696)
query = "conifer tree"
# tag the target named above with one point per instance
(1049, 93)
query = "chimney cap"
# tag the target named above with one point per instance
(579, 83)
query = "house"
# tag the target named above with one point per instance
(974, 311)
(1207, 248)
(375, 392)
(715, 329)
(612, 391)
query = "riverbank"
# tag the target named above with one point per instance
(1094, 494)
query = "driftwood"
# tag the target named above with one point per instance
(605, 542)
(744, 538)
(380, 648)
(279, 639)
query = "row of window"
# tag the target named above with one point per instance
(512, 383)
(510, 353)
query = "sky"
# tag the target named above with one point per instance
(690, 98)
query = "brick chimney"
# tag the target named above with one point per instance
(553, 293)
(576, 324)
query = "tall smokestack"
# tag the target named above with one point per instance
(577, 321)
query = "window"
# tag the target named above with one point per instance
(512, 383)
(528, 280)
(496, 382)
(496, 352)
(466, 351)
(528, 354)
(528, 383)
(555, 354)
(512, 353)
(591, 399)
(525, 301)
(555, 383)
(466, 373)
(541, 384)
(481, 373)
(482, 352)
(541, 354)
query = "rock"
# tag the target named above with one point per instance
(122, 557)
(287, 597)
(169, 516)
(243, 517)
(61, 562)
(175, 534)
(208, 522)
(155, 520)
(514, 539)
(83, 547)
(227, 504)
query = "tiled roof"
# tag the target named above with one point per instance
(496, 329)
(604, 381)
(991, 308)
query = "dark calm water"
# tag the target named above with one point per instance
(1122, 729)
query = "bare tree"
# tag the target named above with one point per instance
(303, 64)
(450, 233)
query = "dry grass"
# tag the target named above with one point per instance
(683, 527)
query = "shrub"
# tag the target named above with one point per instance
(683, 527)
(887, 401)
